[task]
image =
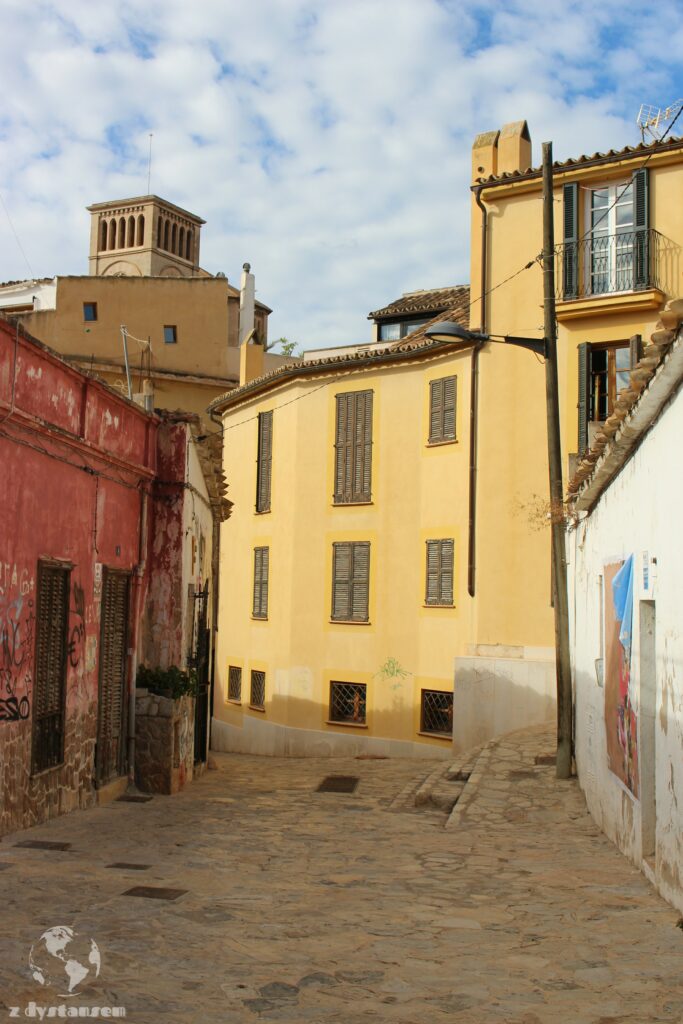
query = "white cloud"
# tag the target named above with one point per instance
(327, 143)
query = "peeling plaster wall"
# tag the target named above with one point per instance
(197, 541)
(637, 513)
(65, 497)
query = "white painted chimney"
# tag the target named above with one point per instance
(247, 299)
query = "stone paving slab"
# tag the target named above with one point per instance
(321, 907)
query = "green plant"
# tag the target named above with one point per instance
(167, 682)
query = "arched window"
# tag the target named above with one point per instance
(166, 230)
(104, 235)
(141, 229)
(160, 232)
(112, 234)
(131, 232)
(181, 242)
(174, 238)
(122, 233)
(188, 245)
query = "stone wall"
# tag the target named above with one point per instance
(164, 742)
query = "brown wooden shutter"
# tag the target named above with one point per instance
(449, 408)
(635, 345)
(341, 581)
(442, 394)
(49, 686)
(353, 447)
(366, 481)
(340, 448)
(361, 582)
(435, 410)
(265, 461)
(261, 572)
(111, 710)
(433, 570)
(446, 574)
(584, 352)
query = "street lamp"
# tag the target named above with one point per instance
(449, 331)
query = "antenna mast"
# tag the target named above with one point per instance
(149, 164)
(652, 120)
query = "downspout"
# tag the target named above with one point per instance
(474, 406)
(139, 573)
(215, 590)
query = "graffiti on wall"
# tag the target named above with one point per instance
(621, 721)
(17, 632)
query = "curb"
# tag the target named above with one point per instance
(471, 789)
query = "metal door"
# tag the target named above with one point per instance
(200, 660)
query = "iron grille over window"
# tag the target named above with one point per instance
(437, 712)
(264, 461)
(261, 569)
(353, 448)
(234, 683)
(439, 572)
(49, 688)
(347, 702)
(442, 409)
(112, 689)
(258, 689)
(350, 581)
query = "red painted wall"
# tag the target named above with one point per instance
(75, 459)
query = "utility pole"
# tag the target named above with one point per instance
(559, 553)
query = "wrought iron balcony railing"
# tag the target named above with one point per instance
(627, 261)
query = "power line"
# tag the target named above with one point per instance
(14, 232)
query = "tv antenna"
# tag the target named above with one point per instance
(652, 120)
(149, 163)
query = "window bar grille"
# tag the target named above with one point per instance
(348, 702)
(437, 712)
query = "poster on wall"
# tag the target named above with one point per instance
(621, 723)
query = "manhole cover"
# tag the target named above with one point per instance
(153, 892)
(42, 844)
(134, 798)
(338, 784)
(125, 866)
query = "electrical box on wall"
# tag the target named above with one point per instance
(646, 579)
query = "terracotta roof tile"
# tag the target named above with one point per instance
(435, 301)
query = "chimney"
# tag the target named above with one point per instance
(485, 155)
(247, 298)
(514, 147)
(251, 358)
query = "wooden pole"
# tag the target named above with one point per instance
(559, 554)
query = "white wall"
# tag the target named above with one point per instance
(39, 294)
(639, 512)
(197, 523)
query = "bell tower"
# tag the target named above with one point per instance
(143, 237)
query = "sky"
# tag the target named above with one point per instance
(327, 143)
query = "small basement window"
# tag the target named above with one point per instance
(437, 712)
(347, 702)
(258, 689)
(170, 334)
(89, 312)
(234, 683)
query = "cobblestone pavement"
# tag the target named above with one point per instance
(321, 907)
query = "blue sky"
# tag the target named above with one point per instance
(327, 143)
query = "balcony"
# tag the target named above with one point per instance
(613, 273)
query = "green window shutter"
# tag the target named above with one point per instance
(570, 251)
(641, 224)
(353, 447)
(341, 581)
(584, 351)
(436, 410)
(261, 572)
(446, 575)
(433, 571)
(360, 585)
(265, 460)
(635, 345)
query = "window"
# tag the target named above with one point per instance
(396, 331)
(353, 448)
(264, 461)
(257, 697)
(347, 702)
(90, 312)
(170, 334)
(612, 251)
(261, 558)
(604, 372)
(439, 589)
(437, 712)
(49, 688)
(234, 683)
(442, 410)
(350, 581)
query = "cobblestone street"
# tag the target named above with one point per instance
(326, 907)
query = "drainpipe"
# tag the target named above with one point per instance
(474, 406)
(139, 573)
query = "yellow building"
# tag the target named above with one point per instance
(385, 586)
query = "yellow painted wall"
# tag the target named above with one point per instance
(418, 493)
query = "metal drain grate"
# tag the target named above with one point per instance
(134, 798)
(43, 844)
(154, 892)
(338, 784)
(545, 759)
(125, 866)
